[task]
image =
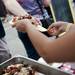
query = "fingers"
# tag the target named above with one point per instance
(33, 20)
(20, 26)
(56, 28)
(53, 31)
(57, 24)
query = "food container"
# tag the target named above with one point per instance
(39, 67)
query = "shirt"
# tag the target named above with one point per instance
(32, 7)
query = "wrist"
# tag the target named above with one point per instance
(27, 24)
(68, 27)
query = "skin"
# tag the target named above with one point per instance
(15, 8)
(46, 2)
(57, 28)
(59, 50)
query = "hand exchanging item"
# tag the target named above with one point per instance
(57, 28)
(33, 20)
(21, 25)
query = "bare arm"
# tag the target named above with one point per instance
(14, 7)
(59, 50)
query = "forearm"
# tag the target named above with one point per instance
(64, 47)
(38, 40)
(14, 7)
(54, 50)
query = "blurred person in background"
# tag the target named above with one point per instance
(14, 8)
(33, 8)
(37, 9)
(4, 50)
(74, 1)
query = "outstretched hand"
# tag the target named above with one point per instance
(57, 28)
(21, 25)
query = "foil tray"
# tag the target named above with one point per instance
(42, 68)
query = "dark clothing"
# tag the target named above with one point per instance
(3, 10)
(46, 22)
(2, 14)
(33, 7)
(2, 32)
(4, 51)
(32, 53)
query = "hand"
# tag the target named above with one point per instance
(36, 21)
(21, 25)
(57, 28)
(33, 20)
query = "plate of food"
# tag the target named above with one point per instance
(20, 65)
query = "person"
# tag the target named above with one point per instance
(59, 50)
(36, 9)
(14, 8)
(4, 50)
